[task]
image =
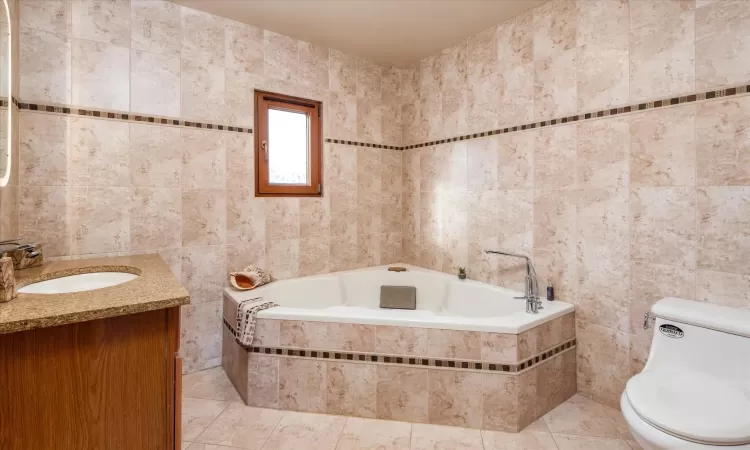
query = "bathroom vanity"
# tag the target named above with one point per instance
(94, 369)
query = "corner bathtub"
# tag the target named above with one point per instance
(469, 355)
(443, 301)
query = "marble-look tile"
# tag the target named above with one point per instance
(314, 254)
(402, 393)
(662, 148)
(581, 416)
(483, 164)
(351, 389)
(350, 337)
(602, 222)
(723, 242)
(203, 38)
(374, 434)
(282, 218)
(602, 71)
(267, 332)
(204, 217)
(45, 65)
(98, 153)
(197, 415)
(603, 362)
(434, 437)
(244, 47)
(155, 156)
(640, 346)
(43, 218)
(245, 218)
(203, 159)
(525, 440)
(603, 292)
(514, 40)
(211, 384)
(499, 347)
(572, 442)
(51, 15)
(663, 226)
(313, 65)
(722, 132)
(645, 12)
(555, 220)
(44, 146)
(304, 334)
(401, 340)
(662, 61)
(155, 219)
(100, 75)
(720, 42)
(155, 27)
(102, 21)
(203, 88)
(263, 381)
(342, 115)
(240, 151)
(368, 80)
(238, 88)
(555, 85)
(241, 426)
(99, 219)
(390, 123)
(515, 160)
(154, 84)
(514, 231)
(390, 212)
(282, 258)
(601, 21)
(302, 385)
(650, 283)
(602, 155)
(344, 250)
(558, 267)
(455, 398)
(390, 248)
(299, 430)
(454, 344)
(727, 289)
(517, 92)
(555, 158)
(200, 335)
(554, 28)
(369, 120)
(391, 170)
(500, 402)
(342, 72)
(280, 55)
(203, 273)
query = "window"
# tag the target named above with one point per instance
(287, 146)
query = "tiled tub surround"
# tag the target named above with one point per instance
(329, 348)
(94, 186)
(618, 211)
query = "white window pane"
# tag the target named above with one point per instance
(288, 153)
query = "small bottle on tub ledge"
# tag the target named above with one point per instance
(461, 273)
(550, 291)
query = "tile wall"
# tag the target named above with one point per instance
(92, 186)
(617, 212)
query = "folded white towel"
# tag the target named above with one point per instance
(247, 311)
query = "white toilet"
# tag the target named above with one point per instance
(694, 392)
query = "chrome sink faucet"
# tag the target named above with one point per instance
(533, 303)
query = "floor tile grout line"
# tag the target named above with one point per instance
(341, 433)
(210, 423)
(276, 427)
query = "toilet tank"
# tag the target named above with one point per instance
(701, 337)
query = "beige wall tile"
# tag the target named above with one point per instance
(455, 398)
(203, 273)
(204, 214)
(203, 39)
(369, 84)
(554, 26)
(155, 156)
(351, 389)
(155, 218)
(602, 20)
(240, 256)
(350, 337)
(518, 95)
(409, 341)
(499, 347)
(720, 44)
(555, 158)
(44, 146)
(602, 72)
(282, 258)
(43, 218)
(155, 27)
(99, 219)
(500, 402)
(282, 218)
(555, 220)
(240, 151)
(454, 344)
(555, 85)
(723, 244)
(102, 21)
(402, 393)
(52, 16)
(238, 92)
(369, 120)
(650, 283)
(100, 75)
(200, 335)
(244, 47)
(263, 381)
(267, 332)
(313, 65)
(602, 222)
(314, 254)
(603, 362)
(202, 91)
(154, 84)
(98, 153)
(302, 385)
(45, 65)
(662, 61)
(645, 12)
(723, 288)
(721, 131)
(663, 226)
(304, 334)
(602, 154)
(343, 72)
(662, 148)
(203, 159)
(280, 56)
(342, 114)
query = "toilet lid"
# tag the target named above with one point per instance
(692, 406)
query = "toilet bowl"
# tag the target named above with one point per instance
(694, 392)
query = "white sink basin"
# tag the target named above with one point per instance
(78, 283)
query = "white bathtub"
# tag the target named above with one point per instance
(443, 301)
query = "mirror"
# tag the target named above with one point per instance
(6, 99)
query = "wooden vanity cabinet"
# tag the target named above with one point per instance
(107, 384)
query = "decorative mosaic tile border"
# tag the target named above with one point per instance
(4, 102)
(130, 117)
(378, 358)
(363, 144)
(636, 107)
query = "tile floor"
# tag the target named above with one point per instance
(214, 418)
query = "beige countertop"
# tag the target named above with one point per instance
(155, 288)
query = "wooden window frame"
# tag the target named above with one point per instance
(269, 100)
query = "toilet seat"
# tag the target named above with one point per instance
(692, 406)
